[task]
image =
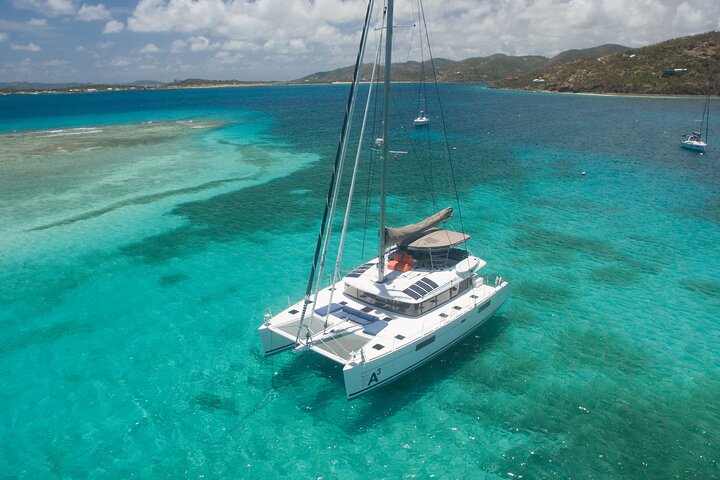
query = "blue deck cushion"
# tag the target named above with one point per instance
(355, 315)
(352, 318)
(375, 327)
(322, 311)
(360, 313)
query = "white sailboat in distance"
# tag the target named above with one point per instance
(418, 297)
(694, 141)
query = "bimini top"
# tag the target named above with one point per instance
(434, 238)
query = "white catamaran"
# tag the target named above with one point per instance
(420, 296)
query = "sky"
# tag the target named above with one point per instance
(127, 40)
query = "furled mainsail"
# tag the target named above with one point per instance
(397, 235)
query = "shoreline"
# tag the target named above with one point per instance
(133, 88)
(595, 94)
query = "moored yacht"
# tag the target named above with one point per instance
(693, 141)
(419, 296)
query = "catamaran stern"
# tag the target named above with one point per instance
(272, 341)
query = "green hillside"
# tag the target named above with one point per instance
(682, 66)
(481, 69)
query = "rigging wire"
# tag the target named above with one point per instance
(335, 172)
(442, 121)
(373, 161)
(351, 191)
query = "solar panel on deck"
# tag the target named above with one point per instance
(411, 293)
(417, 289)
(359, 270)
(420, 288)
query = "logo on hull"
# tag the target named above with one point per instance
(374, 377)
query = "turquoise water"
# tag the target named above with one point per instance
(144, 234)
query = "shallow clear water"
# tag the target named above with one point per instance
(143, 235)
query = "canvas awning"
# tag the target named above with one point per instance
(416, 232)
(435, 238)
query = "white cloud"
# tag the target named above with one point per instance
(56, 63)
(37, 22)
(238, 45)
(194, 44)
(149, 48)
(50, 8)
(199, 44)
(3, 36)
(88, 13)
(30, 47)
(225, 57)
(176, 15)
(120, 62)
(113, 26)
(178, 46)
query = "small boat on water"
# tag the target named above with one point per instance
(694, 141)
(422, 119)
(423, 292)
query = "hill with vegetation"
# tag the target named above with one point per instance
(586, 53)
(480, 69)
(681, 66)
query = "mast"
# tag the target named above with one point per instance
(385, 148)
(706, 112)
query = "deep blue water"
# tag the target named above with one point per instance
(144, 234)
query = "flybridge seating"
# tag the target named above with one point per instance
(436, 258)
(372, 323)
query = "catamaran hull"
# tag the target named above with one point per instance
(363, 377)
(273, 342)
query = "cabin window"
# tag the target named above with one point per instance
(293, 311)
(425, 343)
(483, 306)
(411, 309)
(377, 346)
